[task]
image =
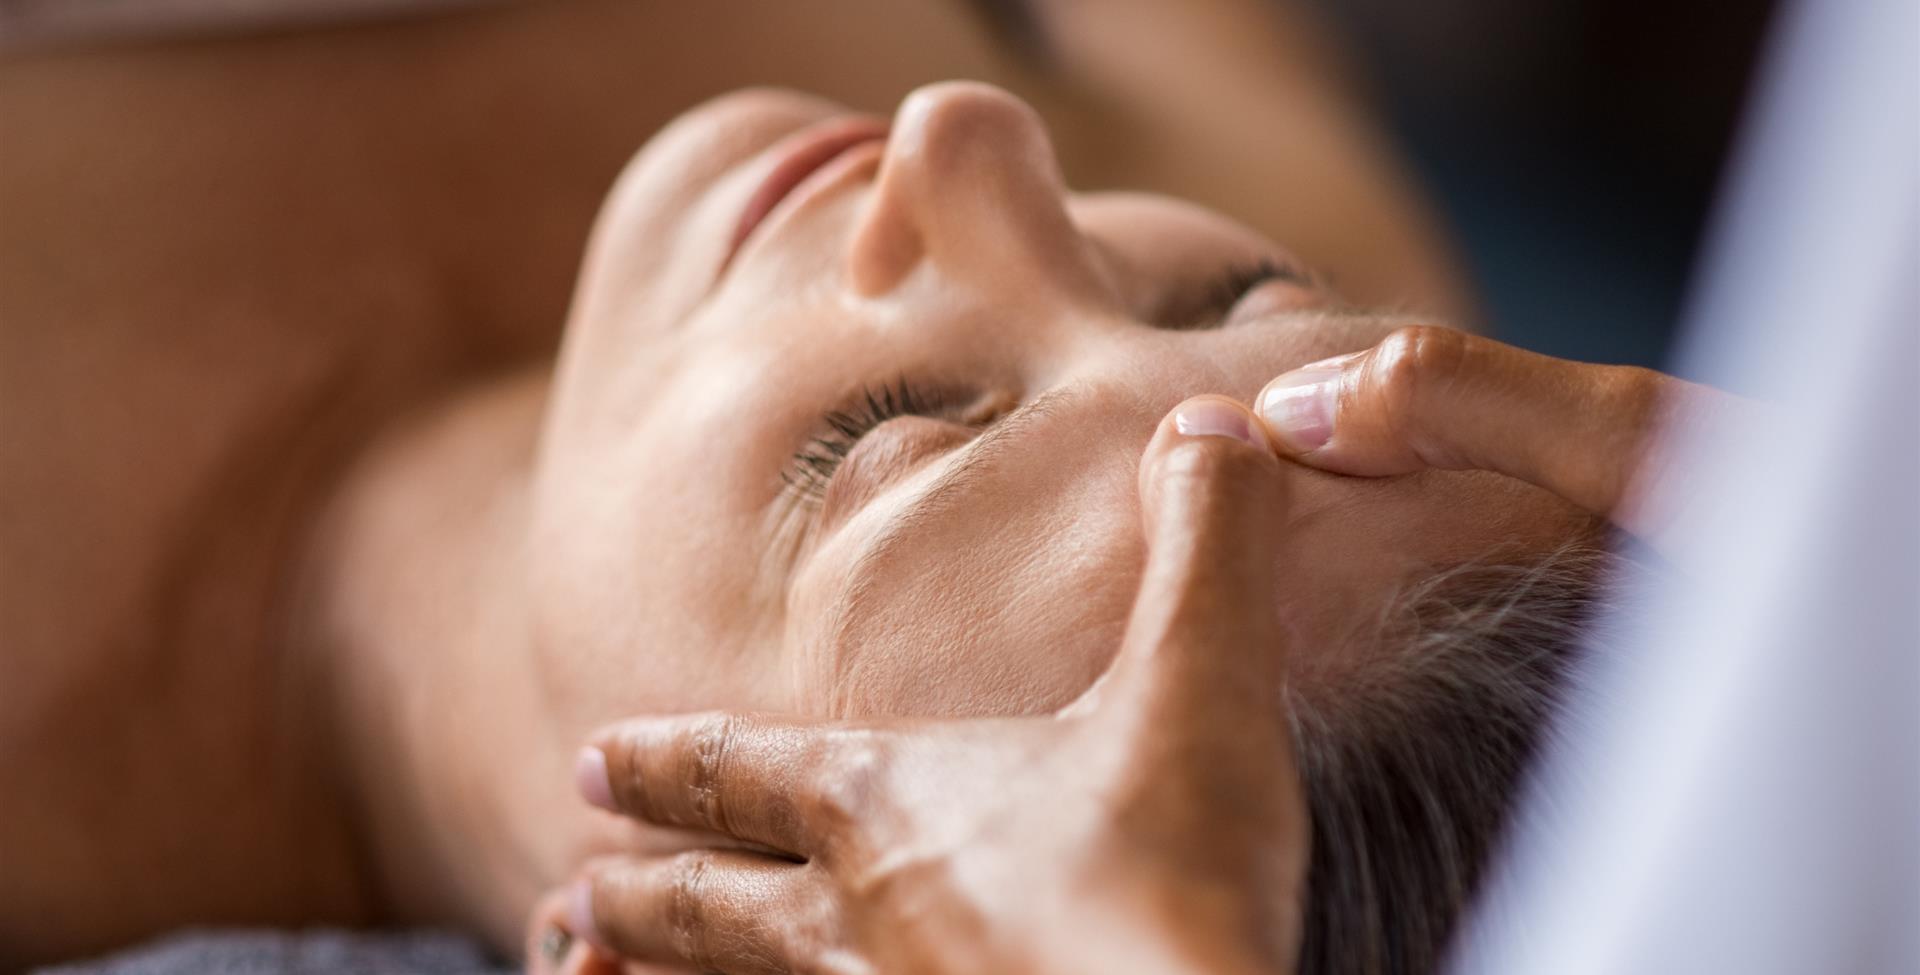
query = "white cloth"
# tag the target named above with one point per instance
(1741, 791)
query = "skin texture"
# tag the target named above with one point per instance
(278, 312)
(921, 840)
(842, 800)
(1021, 295)
(308, 512)
(647, 557)
(504, 573)
(911, 589)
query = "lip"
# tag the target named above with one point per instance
(795, 158)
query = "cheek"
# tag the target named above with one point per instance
(1027, 644)
(1002, 612)
(640, 585)
(597, 625)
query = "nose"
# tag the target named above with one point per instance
(970, 184)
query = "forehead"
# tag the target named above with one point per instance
(676, 414)
(1009, 591)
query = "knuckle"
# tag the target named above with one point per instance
(849, 784)
(1211, 478)
(1212, 464)
(687, 891)
(818, 928)
(1646, 392)
(709, 747)
(1409, 365)
(898, 882)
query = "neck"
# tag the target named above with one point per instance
(417, 609)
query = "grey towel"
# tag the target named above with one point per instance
(315, 952)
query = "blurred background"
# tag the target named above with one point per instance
(1572, 145)
(1576, 159)
(240, 238)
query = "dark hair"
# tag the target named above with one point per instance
(1411, 759)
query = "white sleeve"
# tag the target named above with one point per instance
(1740, 791)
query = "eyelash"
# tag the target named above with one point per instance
(814, 465)
(1226, 290)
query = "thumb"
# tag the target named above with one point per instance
(1205, 626)
(1432, 397)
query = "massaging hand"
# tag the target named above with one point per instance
(1155, 825)
(1430, 397)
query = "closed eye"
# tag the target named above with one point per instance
(1210, 304)
(814, 465)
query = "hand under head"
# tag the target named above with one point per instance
(880, 459)
(1100, 838)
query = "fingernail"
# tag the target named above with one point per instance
(590, 778)
(1216, 418)
(1298, 407)
(580, 913)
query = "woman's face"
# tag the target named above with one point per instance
(867, 442)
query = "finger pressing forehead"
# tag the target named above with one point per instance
(1213, 496)
(1205, 625)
